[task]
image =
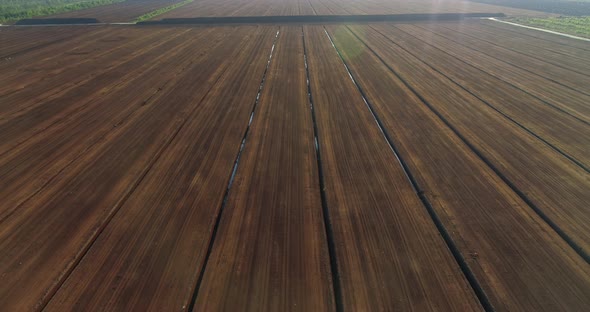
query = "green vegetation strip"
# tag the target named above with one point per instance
(161, 11)
(12, 10)
(579, 26)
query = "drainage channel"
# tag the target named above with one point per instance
(505, 115)
(124, 198)
(70, 25)
(231, 179)
(327, 222)
(478, 290)
(477, 152)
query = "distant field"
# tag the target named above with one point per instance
(563, 7)
(19, 9)
(126, 11)
(133, 10)
(161, 11)
(210, 8)
(570, 25)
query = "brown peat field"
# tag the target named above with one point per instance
(422, 165)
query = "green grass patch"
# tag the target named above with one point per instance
(578, 26)
(13, 10)
(161, 11)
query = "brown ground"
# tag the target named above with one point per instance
(241, 168)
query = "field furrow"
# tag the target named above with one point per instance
(481, 214)
(576, 49)
(388, 251)
(14, 45)
(557, 86)
(580, 66)
(52, 230)
(292, 155)
(53, 144)
(270, 252)
(551, 183)
(535, 36)
(65, 90)
(567, 134)
(151, 253)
